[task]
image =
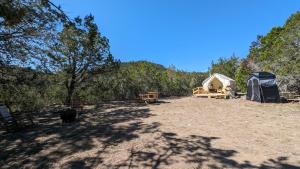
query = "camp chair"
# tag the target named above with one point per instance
(16, 120)
(77, 104)
(6, 119)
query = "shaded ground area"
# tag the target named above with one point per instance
(178, 133)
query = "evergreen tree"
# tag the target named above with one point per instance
(79, 52)
(225, 66)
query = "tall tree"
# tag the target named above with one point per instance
(79, 52)
(26, 27)
(242, 75)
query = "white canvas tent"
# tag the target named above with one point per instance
(219, 82)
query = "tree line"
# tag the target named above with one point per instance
(49, 58)
(277, 52)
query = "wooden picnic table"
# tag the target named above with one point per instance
(149, 97)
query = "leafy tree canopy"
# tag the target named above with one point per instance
(80, 51)
(278, 52)
(26, 26)
(225, 66)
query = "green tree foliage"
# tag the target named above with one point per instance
(79, 52)
(26, 26)
(25, 89)
(134, 78)
(226, 66)
(242, 75)
(77, 59)
(278, 52)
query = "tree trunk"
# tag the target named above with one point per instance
(71, 89)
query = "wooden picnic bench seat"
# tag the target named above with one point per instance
(213, 93)
(199, 90)
(294, 100)
(149, 97)
(290, 96)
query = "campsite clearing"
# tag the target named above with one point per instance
(174, 133)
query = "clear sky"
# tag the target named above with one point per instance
(186, 33)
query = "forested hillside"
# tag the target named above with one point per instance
(28, 89)
(133, 78)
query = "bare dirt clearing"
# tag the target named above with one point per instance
(176, 133)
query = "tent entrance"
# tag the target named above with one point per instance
(214, 85)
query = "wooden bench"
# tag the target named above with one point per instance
(290, 96)
(213, 95)
(150, 97)
(294, 100)
(199, 90)
(6, 119)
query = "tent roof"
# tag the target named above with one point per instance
(217, 75)
(263, 75)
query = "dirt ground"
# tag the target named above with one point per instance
(174, 133)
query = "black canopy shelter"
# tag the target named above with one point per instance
(262, 87)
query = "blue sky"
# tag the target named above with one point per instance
(186, 33)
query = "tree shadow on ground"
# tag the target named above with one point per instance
(110, 125)
(196, 150)
(50, 141)
(159, 102)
